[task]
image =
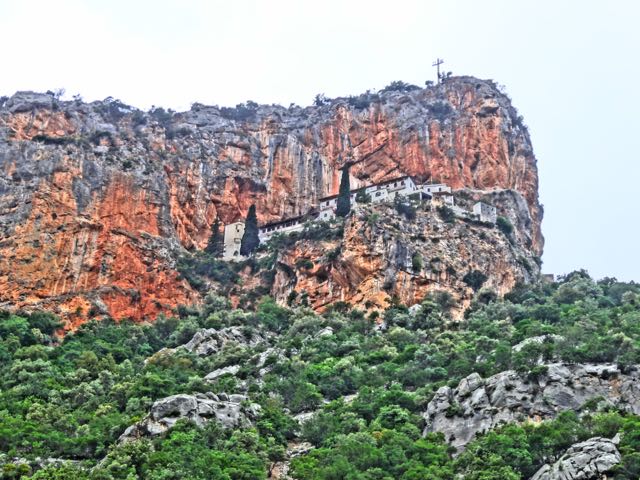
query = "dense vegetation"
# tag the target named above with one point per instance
(369, 376)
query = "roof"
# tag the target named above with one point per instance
(280, 222)
(483, 203)
(356, 190)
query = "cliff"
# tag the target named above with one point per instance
(98, 200)
(383, 256)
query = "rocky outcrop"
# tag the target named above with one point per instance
(230, 411)
(382, 255)
(589, 460)
(478, 405)
(219, 372)
(98, 200)
(210, 341)
(280, 470)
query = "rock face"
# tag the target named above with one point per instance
(478, 404)
(209, 341)
(280, 470)
(589, 460)
(229, 410)
(383, 255)
(97, 200)
(219, 372)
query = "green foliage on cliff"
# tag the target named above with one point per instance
(343, 203)
(250, 239)
(215, 245)
(72, 398)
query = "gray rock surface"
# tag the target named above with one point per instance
(280, 470)
(231, 370)
(26, 101)
(210, 341)
(230, 411)
(588, 460)
(180, 171)
(478, 404)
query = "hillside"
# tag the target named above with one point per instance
(288, 393)
(100, 201)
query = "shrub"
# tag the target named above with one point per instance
(194, 267)
(242, 111)
(440, 110)
(446, 214)
(504, 225)
(304, 263)
(332, 255)
(363, 197)
(399, 86)
(475, 279)
(416, 262)
(406, 209)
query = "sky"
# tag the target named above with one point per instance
(570, 66)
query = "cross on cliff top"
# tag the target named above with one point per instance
(437, 64)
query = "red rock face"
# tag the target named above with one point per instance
(97, 201)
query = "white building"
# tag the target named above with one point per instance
(232, 237)
(379, 192)
(287, 225)
(441, 197)
(431, 188)
(485, 212)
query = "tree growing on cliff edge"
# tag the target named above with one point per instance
(250, 239)
(343, 206)
(215, 246)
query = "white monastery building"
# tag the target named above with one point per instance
(437, 193)
(232, 237)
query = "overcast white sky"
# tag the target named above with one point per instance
(571, 67)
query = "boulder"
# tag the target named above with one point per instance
(231, 370)
(210, 341)
(230, 411)
(588, 460)
(27, 101)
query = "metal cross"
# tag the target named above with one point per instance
(437, 64)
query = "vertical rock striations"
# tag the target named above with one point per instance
(97, 200)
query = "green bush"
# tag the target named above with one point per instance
(504, 225)
(446, 214)
(475, 279)
(406, 209)
(304, 263)
(416, 262)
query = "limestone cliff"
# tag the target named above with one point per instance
(98, 199)
(382, 255)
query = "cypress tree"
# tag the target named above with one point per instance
(215, 246)
(343, 206)
(250, 239)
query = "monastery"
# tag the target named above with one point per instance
(403, 187)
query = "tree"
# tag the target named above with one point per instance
(215, 246)
(344, 194)
(475, 279)
(504, 225)
(250, 239)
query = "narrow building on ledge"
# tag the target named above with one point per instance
(233, 233)
(288, 225)
(485, 212)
